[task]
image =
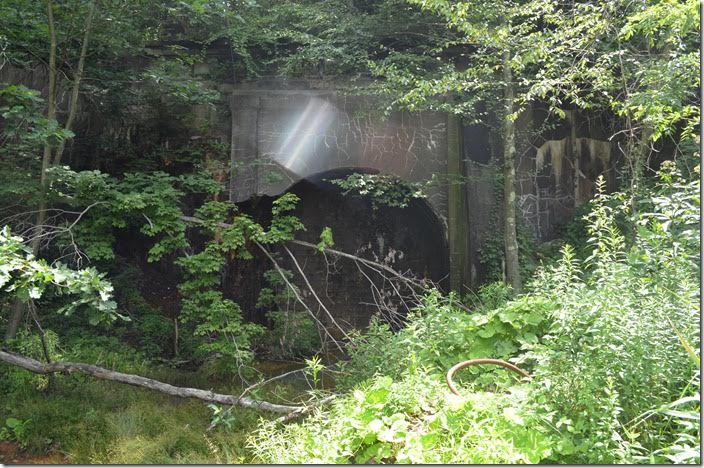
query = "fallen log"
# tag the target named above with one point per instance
(38, 367)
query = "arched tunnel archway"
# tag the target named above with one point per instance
(409, 239)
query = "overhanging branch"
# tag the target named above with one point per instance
(406, 279)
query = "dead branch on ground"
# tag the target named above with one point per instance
(38, 367)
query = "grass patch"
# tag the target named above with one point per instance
(104, 422)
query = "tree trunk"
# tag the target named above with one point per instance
(15, 319)
(640, 158)
(18, 308)
(513, 275)
(175, 336)
(50, 114)
(73, 103)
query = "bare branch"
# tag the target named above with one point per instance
(312, 290)
(293, 289)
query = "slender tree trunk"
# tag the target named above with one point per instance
(641, 155)
(15, 319)
(513, 275)
(175, 336)
(18, 307)
(576, 157)
(233, 150)
(50, 115)
(73, 103)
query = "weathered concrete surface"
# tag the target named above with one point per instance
(286, 138)
(558, 172)
(283, 136)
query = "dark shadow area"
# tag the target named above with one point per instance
(409, 239)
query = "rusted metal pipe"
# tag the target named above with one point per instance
(474, 362)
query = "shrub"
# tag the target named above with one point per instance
(618, 344)
(293, 332)
(413, 420)
(439, 335)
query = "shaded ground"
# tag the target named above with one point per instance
(12, 454)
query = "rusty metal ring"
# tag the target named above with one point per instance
(473, 362)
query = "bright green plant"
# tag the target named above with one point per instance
(314, 366)
(217, 320)
(16, 430)
(221, 416)
(23, 276)
(326, 240)
(32, 345)
(610, 341)
(411, 420)
(615, 347)
(439, 335)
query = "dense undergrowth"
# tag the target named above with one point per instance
(610, 339)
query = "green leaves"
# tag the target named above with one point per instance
(28, 278)
(326, 240)
(283, 226)
(16, 430)
(383, 190)
(169, 79)
(217, 320)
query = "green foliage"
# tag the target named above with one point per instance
(105, 422)
(616, 347)
(25, 126)
(326, 240)
(314, 366)
(170, 79)
(151, 201)
(155, 334)
(609, 332)
(413, 420)
(27, 278)
(17, 380)
(149, 326)
(15, 430)
(611, 342)
(439, 335)
(217, 320)
(383, 190)
(283, 226)
(490, 296)
(492, 249)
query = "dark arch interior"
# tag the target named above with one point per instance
(409, 239)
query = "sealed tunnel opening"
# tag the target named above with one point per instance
(409, 239)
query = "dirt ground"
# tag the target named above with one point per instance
(12, 454)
